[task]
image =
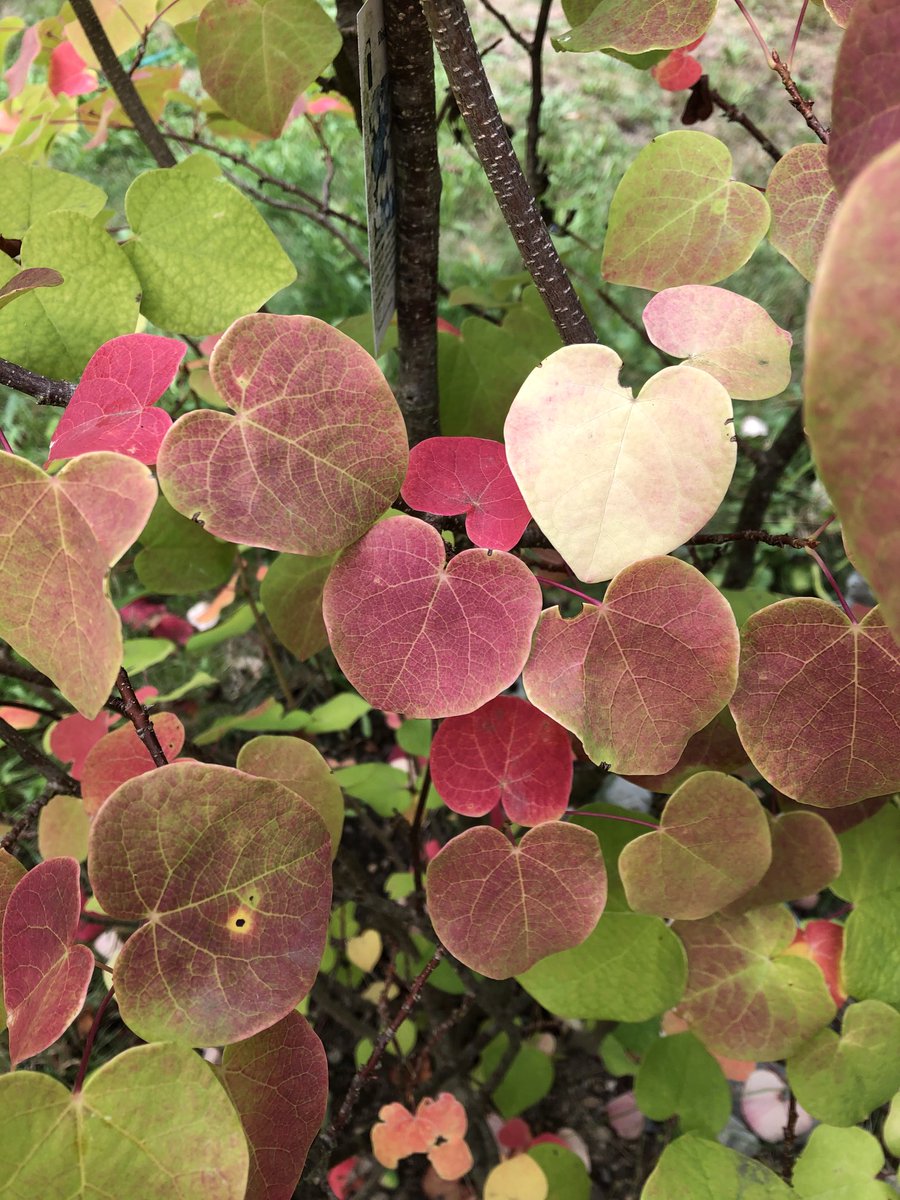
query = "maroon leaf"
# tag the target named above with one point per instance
(121, 755)
(72, 737)
(45, 975)
(278, 1082)
(423, 637)
(450, 475)
(817, 704)
(500, 908)
(282, 473)
(806, 856)
(11, 871)
(509, 752)
(636, 676)
(111, 408)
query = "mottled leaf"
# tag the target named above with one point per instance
(803, 201)
(45, 975)
(154, 1120)
(257, 56)
(500, 908)
(712, 845)
(226, 870)
(806, 857)
(59, 535)
(202, 252)
(63, 829)
(417, 635)
(695, 1168)
(745, 997)
(853, 372)
(678, 217)
(505, 752)
(840, 1164)
(727, 335)
(179, 556)
(121, 755)
(280, 473)
(716, 747)
(678, 1076)
(633, 26)
(30, 191)
(644, 473)
(278, 1082)
(635, 677)
(11, 871)
(817, 704)
(291, 593)
(301, 769)
(468, 475)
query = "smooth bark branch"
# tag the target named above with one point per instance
(452, 33)
(418, 178)
(44, 390)
(140, 719)
(121, 84)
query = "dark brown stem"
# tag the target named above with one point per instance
(54, 774)
(140, 719)
(415, 838)
(452, 33)
(346, 65)
(23, 823)
(418, 181)
(534, 167)
(733, 113)
(803, 107)
(517, 37)
(790, 1137)
(754, 535)
(16, 670)
(44, 390)
(89, 1041)
(758, 495)
(122, 85)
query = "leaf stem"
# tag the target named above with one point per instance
(823, 567)
(795, 39)
(584, 812)
(89, 1041)
(755, 30)
(268, 647)
(563, 587)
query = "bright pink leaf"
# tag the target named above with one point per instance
(418, 635)
(278, 1082)
(677, 72)
(450, 475)
(19, 718)
(17, 75)
(111, 408)
(506, 751)
(500, 908)
(343, 1179)
(823, 943)
(636, 676)
(69, 73)
(122, 755)
(72, 738)
(45, 975)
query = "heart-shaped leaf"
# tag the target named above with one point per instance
(283, 46)
(111, 408)
(45, 975)
(291, 593)
(853, 373)
(31, 190)
(806, 856)
(417, 635)
(280, 473)
(697, 1168)
(745, 997)
(803, 201)
(227, 870)
(278, 1082)
(155, 1112)
(679, 1076)
(301, 769)
(122, 755)
(712, 845)
(634, 27)
(636, 676)
(505, 752)
(11, 871)
(817, 705)
(727, 335)
(59, 535)
(644, 473)
(678, 217)
(716, 747)
(468, 475)
(26, 281)
(841, 1164)
(501, 908)
(842, 1079)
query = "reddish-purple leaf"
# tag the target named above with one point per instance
(278, 1082)
(840, 11)
(450, 475)
(283, 472)
(26, 281)
(417, 635)
(806, 856)
(817, 705)
(111, 408)
(509, 752)
(45, 974)
(122, 755)
(716, 747)
(865, 106)
(803, 201)
(72, 738)
(500, 908)
(232, 875)
(11, 871)
(636, 676)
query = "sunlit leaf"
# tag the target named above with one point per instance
(518, 1178)
(716, 747)
(700, 1169)
(634, 26)
(121, 755)
(841, 1164)
(301, 769)
(291, 593)
(679, 1076)
(31, 191)
(803, 201)
(123, 22)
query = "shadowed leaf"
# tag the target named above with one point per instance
(72, 738)
(291, 593)
(63, 829)
(715, 747)
(803, 201)
(679, 1076)
(806, 857)
(179, 556)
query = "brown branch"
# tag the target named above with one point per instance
(121, 83)
(415, 839)
(753, 535)
(346, 64)
(733, 113)
(452, 33)
(15, 670)
(61, 780)
(23, 823)
(790, 1138)
(803, 107)
(517, 37)
(44, 390)
(140, 719)
(535, 171)
(418, 181)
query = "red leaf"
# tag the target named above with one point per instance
(423, 637)
(509, 752)
(69, 73)
(111, 408)
(122, 755)
(450, 475)
(823, 943)
(72, 738)
(45, 975)
(678, 72)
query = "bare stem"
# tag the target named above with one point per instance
(140, 719)
(30, 754)
(89, 1041)
(415, 835)
(733, 113)
(22, 825)
(44, 390)
(754, 535)
(823, 567)
(534, 167)
(803, 107)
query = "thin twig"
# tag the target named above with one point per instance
(29, 383)
(803, 107)
(89, 1041)
(268, 647)
(54, 774)
(15, 670)
(537, 176)
(140, 719)
(733, 113)
(415, 837)
(23, 823)
(753, 535)
(517, 37)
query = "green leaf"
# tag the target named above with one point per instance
(268, 717)
(154, 1121)
(565, 1172)
(526, 1081)
(139, 654)
(30, 192)
(384, 788)
(198, 680)
(240, 621)
(257, 56)
(337, 714)
(838, 1164)
(678, 1075)
(891, 1131)
(56, 330)
(179, 556)
(291, 593)
(623, 1049)
(693, 1168)
(634, 26)
(414, 736)
(202, 252)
